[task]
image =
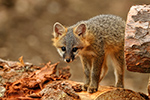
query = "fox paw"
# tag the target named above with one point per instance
(120, 85)
(92, 90)
(85, 87)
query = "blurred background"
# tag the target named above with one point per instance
(26, 30)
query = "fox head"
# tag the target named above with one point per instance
(69, 41)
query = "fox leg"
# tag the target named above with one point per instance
(119, 64)
(104, 71)
(95, 73)
(86, 68)
(104, 68)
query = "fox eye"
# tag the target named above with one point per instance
(63, 48)
(74, 49)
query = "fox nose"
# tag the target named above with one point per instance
(67, 60)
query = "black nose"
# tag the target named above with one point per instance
(68, 60)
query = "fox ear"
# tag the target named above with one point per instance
(58, 29)
(81, 30)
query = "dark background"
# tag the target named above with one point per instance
(26, 30)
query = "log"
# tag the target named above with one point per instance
(104, 92)
(45, 84)
(137, 39)
(148, 87)
(110, 93)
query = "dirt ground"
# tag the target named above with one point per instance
(26, 30)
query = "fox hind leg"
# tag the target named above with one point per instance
(104, 69)
(119, 64)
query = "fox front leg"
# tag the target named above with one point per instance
(86, 62)
(96, 69)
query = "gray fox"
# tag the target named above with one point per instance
(99, 42)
